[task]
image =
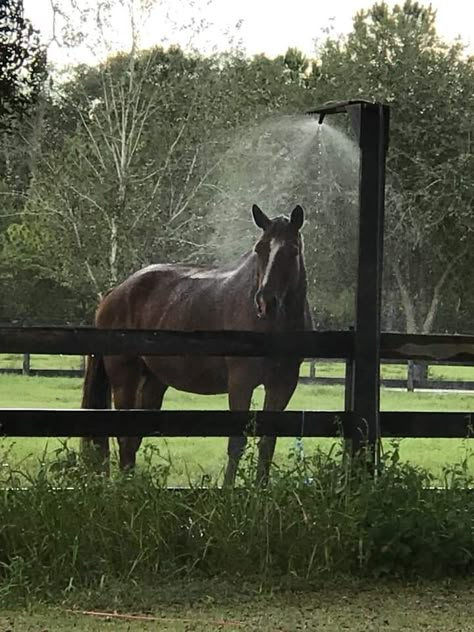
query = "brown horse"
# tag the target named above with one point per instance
(264, 291)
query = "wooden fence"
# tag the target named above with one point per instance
(313, 377)
(339, 345)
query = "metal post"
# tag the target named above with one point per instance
(373, 121)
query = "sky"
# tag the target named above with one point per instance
(265, 26)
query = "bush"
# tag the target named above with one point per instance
(67, 529)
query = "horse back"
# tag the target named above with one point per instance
(166, 297)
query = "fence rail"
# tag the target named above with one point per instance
(84, 340)
(436, 348)
(449, 349)
(224, 423)
(79, 341)
(400, 383)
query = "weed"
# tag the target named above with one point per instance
(67, 529)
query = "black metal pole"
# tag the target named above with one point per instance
(373, 123)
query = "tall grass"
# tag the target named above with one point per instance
(68, 530)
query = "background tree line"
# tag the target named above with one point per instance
(156, 155)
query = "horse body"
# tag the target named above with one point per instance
(255, 294)
(180, 298)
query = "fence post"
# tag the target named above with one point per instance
(312, 369)
(372, 120)
(26, 364)
(417, 374)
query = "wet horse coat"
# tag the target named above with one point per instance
(264, 291)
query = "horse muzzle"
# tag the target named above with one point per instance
(267, 304)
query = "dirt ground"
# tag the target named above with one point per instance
(434, 607)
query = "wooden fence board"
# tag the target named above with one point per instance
(82, 341)
(43, 372)
(430, 425)
(437, 348)
(169, 423)
(217, 423)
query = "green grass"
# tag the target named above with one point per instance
(199, 607)
(70, 533)
(193, 457)
(323, 368)
(31, 392)
(133, 546)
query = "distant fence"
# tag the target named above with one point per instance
(28, 370)
(409, 383)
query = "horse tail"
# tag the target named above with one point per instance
(96, 394)
(96, 391)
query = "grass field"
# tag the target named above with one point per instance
(324, 369)
(206, 608)
(109, 572)
(193, 457)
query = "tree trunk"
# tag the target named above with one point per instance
(415, 369)
(418, 370)
(113, 252)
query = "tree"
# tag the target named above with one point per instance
(98, 199)
(396, 56)
(22, 64)
(22, 78)
(134, 176)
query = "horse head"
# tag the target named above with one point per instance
(280, 265)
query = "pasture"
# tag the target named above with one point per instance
(393, 608)
(190, 459)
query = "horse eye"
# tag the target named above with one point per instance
(260, 248)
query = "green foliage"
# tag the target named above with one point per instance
(150, 155)
(395, 55)
(129, 177)
(68, 530)
(23, 64)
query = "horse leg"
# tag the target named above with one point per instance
(278, 393)
(149, 395)
(240, 396)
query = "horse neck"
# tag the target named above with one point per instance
(295, 304)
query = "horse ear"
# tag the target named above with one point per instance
(297, 217)
(260, 218)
